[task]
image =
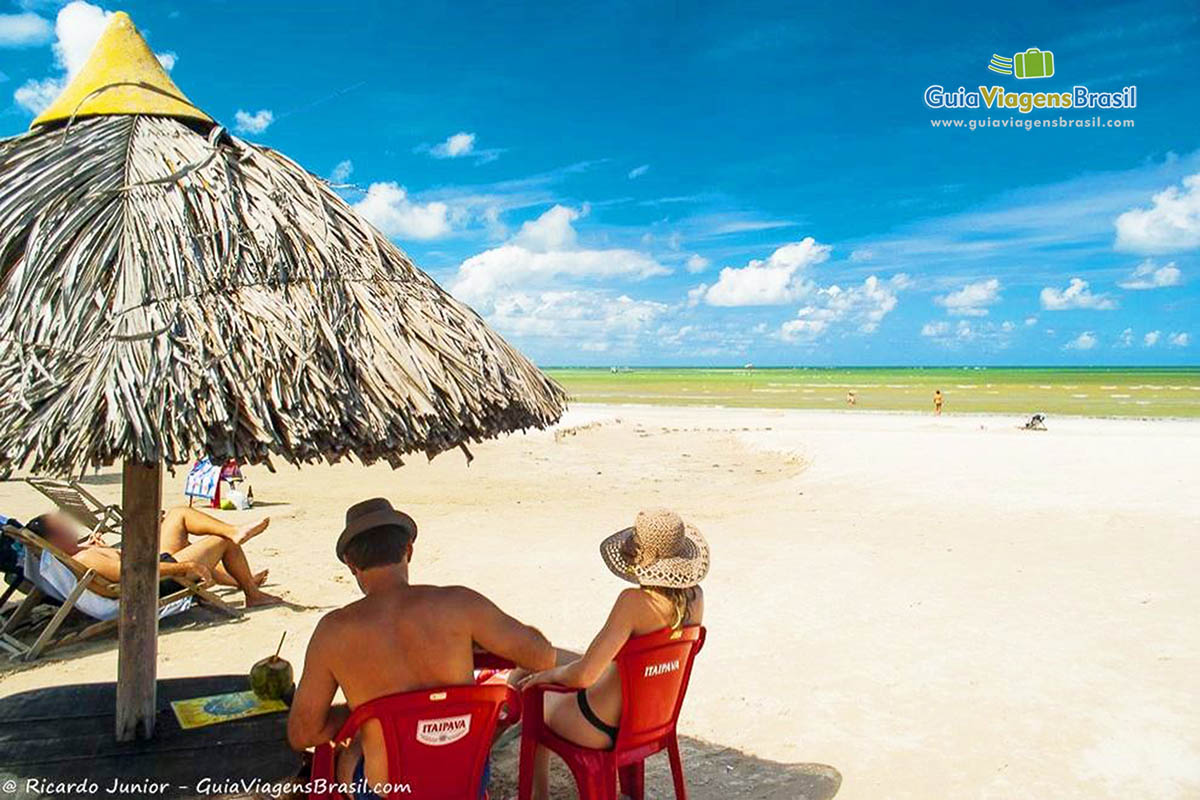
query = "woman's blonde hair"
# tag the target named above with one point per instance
(681, 599)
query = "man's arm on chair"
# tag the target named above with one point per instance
(313, 719)
(500, 634)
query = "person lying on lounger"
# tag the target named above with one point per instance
(667, 558)
(400, 637)
(191, 543)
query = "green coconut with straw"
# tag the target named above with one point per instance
(272, 678)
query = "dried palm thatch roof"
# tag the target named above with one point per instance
(170, 290)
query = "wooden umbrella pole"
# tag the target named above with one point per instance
(141, 499)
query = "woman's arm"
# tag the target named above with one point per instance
(588, 668)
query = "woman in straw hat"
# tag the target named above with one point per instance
(667, 559)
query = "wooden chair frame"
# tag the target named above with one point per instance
(81, 505)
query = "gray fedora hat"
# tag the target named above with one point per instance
(369, 514)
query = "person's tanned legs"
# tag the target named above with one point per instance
(211, 550)
(179, 524)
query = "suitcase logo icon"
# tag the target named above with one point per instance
(1033, 63)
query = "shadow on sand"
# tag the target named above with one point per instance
(713, 772)
(198, 617)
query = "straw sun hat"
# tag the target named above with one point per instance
(659, 550)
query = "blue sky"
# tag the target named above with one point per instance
(654, 183)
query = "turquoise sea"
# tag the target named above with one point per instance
(1090, 391)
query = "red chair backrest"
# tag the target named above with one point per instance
(654, 676)
(437, 740)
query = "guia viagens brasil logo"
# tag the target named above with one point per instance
(1027, 65)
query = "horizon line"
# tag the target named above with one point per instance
(877, 366)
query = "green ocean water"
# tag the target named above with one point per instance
(1101, 392)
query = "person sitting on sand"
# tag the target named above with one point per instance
(191, 543)
(667, 558)
(400, 637)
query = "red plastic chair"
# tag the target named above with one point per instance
(437, 740)
(654, 676)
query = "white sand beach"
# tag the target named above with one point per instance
(934, 608)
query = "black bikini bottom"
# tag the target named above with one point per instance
(585, 708)
(168, 586)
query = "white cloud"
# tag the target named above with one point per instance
(1170, 224)
(167, 59)
(697, 263)
(1084, 341)
(1179, 339)
(36, 95)
(1076, 295)
(456, 146)
(545, 251)
(639, 171)
(553, 230)
(862, 254)
(1148, 275)
(1151, 338)
(76, 29)
(24, 30)
(777, 280)
(971, 300)
(862, 307)
(460, 145)
(542, 283)
(1031, 321)
(1126, 338)
(341, 171)
(595, 318)
(259, 121)
(388, 207)
(955, 334)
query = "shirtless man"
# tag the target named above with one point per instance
(400, 637)
(192, 544)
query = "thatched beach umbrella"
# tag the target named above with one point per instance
(170, 290)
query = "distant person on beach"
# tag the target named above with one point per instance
(937, 402)
(400, 637)
(667, 559)
(851, 398)
(192, 545)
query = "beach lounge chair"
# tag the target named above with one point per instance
(437, 740)
(12, 565)
(654, 670)
(80, 505)
(57, 577)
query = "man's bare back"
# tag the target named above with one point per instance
(409, 638)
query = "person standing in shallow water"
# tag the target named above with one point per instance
(937, 402)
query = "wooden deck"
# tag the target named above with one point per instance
(52, 739)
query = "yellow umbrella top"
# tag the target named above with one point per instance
(121, 76)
